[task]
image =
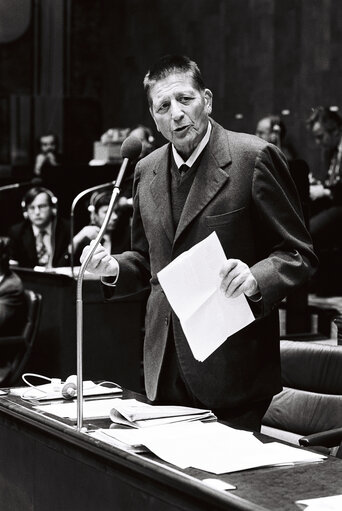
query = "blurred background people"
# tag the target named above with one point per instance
(48, 157)
(272, 129)
(117, 236)
(145, 135)
(12, 299)
(42, 238)
(326, 199)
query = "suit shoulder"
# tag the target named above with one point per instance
(17, 229)
(154, 157)
(246, 141)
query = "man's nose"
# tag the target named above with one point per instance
(176, 110)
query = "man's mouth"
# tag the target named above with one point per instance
(181, 129)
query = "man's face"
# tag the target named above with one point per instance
(324, 138)
(263, 130)
(100, 216)
(180, 111)
(40, 211)
(48, 144)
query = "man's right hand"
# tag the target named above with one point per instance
(101, 263)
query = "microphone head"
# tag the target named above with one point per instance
(131, 148)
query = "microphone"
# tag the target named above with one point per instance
(130, 150)
(36, 181)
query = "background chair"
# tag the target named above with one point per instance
(311, 400)
(15, 350)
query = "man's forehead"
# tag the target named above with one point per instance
(41, 198)
(49, 139)
(171, 83)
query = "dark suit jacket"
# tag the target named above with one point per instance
(23, 244)
(244, 192)
(12, 305)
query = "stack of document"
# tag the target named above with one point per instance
(133, 413)
(212, 447)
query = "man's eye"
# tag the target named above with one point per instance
(163, 107)
(185, 99)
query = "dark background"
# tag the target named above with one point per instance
(76, 67)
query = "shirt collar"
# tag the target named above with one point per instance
(47, 229)
(193, 157)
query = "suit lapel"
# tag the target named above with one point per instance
(211, 176)
(29, 242)
(160, 190)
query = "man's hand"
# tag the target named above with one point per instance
(237, 279)
(89, 231)
(102, 263)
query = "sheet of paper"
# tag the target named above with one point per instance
(95, 409)
(332, 503)
(191, 283)
(212, 447)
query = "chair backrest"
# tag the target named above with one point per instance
(27, 337)
(311, 400)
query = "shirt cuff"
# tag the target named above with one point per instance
(111, 281)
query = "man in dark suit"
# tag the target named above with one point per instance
(42, 239)
(239, 186)
(12, 298)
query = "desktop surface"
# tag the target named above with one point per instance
(39, 450)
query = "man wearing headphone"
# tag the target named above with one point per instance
(117, 236)
(42, 238)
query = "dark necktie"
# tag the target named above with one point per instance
(42, 253)
(183, 169)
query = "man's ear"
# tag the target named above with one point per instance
(152, 115)
(208, 97)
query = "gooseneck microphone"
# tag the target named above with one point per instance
(130, 150)
(36, 181)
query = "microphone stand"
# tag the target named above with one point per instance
(79, 300)
(73, 205)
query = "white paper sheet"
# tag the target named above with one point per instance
(332, 503)
(95, 409)
(191, 283)
(212, 447)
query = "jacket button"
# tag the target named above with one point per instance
(166, 321)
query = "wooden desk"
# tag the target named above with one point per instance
(112, 331)
(47, 465)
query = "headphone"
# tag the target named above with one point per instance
(57, 388)
(95, 198)
(32, 194)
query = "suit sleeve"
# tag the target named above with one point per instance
(287, 258)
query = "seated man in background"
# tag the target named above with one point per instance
(48, 157)
(12, 299)
(272, 129)
(326, 196)
(117, 236)
(42, 239)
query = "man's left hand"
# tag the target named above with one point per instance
(237, 279)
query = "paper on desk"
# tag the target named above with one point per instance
(212, 447)
(131, 412)
(94, 409)
(332, 503)
(191, 283)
